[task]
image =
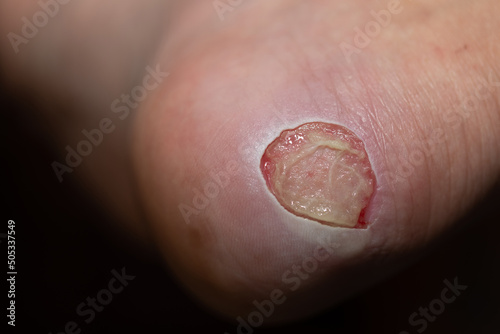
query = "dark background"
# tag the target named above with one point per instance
(66, 250)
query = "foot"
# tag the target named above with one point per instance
(417, 83)
(419, 90)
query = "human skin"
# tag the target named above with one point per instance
(235, 85)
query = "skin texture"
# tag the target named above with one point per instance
(423, 96)
(382, 95)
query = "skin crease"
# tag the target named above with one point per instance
(235, 85)
(237, 249)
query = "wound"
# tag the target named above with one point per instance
(320, 171)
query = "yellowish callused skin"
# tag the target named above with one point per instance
(324, 180)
